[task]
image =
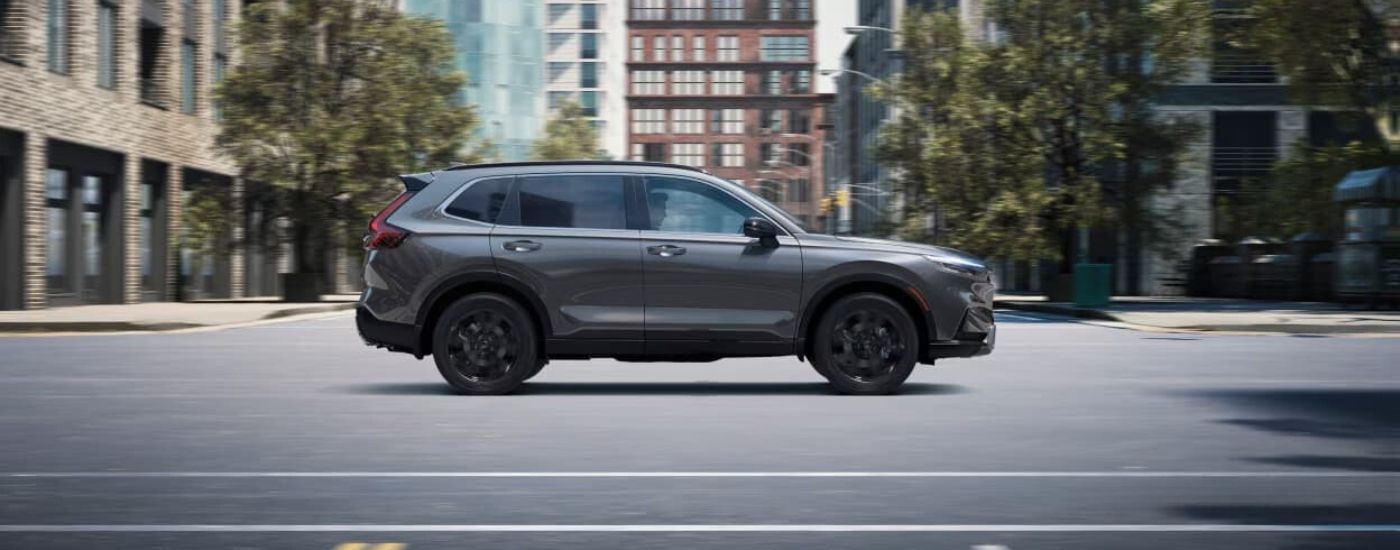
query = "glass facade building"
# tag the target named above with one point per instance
(500, 45)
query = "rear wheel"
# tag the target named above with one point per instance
(485, 344)
(865, 344)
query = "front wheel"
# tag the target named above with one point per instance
(485, 344)
(865, 344)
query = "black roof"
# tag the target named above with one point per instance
(576, 163)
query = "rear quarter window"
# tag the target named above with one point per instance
(482, 200)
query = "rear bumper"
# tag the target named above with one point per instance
(384, 334)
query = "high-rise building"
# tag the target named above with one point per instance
(500, 45)
(727, 85)
(585, 56)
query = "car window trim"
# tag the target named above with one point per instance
(646, 212)
(510, 190)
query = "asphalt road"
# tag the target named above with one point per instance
(1070, 435)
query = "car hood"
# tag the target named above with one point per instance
(886, 245)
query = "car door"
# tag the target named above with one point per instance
(709, 288)
(569, 242)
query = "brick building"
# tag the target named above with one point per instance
(106, 120)
(727, 85)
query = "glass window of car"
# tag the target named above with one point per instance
(481, 200)
(592, 201)
(689, 206)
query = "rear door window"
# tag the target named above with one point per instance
(482, 200)
(588, 201)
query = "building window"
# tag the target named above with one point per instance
(798, 153)
(728, 82)
(697, 48)
(650, 152)
(727, 121)
(588, 75)
(220, 68)
(687, 121)
(798, 190)
(648, 121)
(727, 48)
(649, 10)
(588, 46)
(800, 82)
(690, 154)
(729, 155)
(802, 9)
(775, 10)
(648, 83)
(639, 50)
(727, 10)
(589, 103)
(783, 48)
(188, 54)
(58, 36)
(588, 19)
(770, 121)
(687, 10)
(557, 99)
(678, 48)
(658, 48)
(688, 82)
(799, 121)
(106, 44)
(149, 69)
(772, 82)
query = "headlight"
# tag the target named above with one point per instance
(957, 266)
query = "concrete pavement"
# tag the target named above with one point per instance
(294, 435)
(1184, 314)
(164, 316)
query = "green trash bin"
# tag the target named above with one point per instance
(1091, 285)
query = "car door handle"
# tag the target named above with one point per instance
(666, 250)
(522, 246)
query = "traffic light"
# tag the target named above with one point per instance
(826, 205)
(843, 198)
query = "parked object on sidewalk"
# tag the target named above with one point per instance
(1368, 258)
(495, 269)
(1092, 284)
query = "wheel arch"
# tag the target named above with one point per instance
(458, 286)
(901, 292)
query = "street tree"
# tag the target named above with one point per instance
(330, 100)
(568, 135)
(1011, 140)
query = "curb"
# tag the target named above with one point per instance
(21, 328)
(1070, 311)
(1104, 318)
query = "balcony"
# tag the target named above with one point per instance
(1235, 67)
(1242, 161)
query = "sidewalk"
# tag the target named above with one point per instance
(163, 316)
(1185, 314)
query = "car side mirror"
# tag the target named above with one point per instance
(763, 230)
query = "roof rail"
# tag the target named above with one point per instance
(577, 163)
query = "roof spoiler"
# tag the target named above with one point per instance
(414, 183)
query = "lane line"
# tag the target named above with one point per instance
(949, 474)
(709, 528)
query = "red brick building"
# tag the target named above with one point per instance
(729, 86)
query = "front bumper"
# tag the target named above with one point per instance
(976, 336)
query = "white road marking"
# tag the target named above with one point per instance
(705, 528)
(1066, 474)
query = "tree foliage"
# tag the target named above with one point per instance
(330, 99)
(569, 135)
(1009, 141)
(1332, 52)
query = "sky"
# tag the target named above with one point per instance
(832, 17)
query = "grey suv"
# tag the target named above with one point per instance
(496, 269)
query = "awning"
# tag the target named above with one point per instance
(1379, 184)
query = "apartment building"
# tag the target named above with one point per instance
(106, 122)
(585, 62)
(727, 85)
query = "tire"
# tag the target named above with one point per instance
(865, 344)
(485, 344)
(537, 370)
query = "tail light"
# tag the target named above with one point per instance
(381, 234)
